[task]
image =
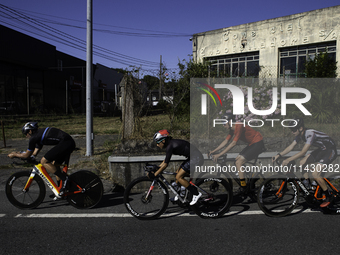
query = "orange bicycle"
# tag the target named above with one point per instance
(279, 195)
(27, 190)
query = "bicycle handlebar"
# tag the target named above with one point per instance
(280, 159)
(223, 159)
(150, 167)
(31, 160)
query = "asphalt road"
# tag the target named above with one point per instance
(55, 227)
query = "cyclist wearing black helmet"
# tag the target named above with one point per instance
(325, 153)
(183, 148)
(255, 146)
(64, 146)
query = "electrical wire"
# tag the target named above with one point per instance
(28, 24)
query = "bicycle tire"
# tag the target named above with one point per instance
(146, 209)
(91, 187)
(29, 199)
(278, 196)
(334, 208)
(216, 198)
(254, 185)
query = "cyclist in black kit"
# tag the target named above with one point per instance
(64, 146)
(325, 153)
(179, 147)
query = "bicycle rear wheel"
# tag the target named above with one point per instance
(145, 207)
(25, 199)
(334, 186)
(254, 185)
(86, 189)
(278, 196)
(216, 197)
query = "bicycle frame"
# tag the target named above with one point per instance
(168, 185)
(305, 190)
(42, 172)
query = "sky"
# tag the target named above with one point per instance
(137, 33)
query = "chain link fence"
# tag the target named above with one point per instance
(147, 103)
(148, 96)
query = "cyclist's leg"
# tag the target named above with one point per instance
(239, 161)
(185, 171)
(323, 158)
(58, 154)
(180, 178)
(317, 176)
(308, 159)
(248, 153)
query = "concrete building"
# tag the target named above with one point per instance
(270, 48)
(42, 79)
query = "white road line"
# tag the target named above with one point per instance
(2, 215)
(75, 215)
(128, 215)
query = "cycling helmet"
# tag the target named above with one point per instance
(298, 122)
(161, 135)
(29, 126)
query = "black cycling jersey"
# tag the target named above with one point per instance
(182, 148)
(316, 138)
(47, 136)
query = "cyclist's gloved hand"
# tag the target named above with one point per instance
(214, 157)
(277, 157)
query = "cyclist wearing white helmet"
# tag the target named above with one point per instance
(325, 153)
(255, 146)
(38, 137)
(179, 147)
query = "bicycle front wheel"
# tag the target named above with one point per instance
(144, 201)
(25, 199)
(86, 189)
(278, 196)
(216, 197)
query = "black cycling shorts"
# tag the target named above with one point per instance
(252, 151)
(61, 152)
(194, 161)
(323, 156)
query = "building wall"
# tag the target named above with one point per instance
(268, 37)
(40, 78)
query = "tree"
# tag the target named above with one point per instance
(322, 66)
(180, 106)
(324, 106)
(151, 81)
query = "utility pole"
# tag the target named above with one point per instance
(28, 95)
(160, 79)
(89, 72)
